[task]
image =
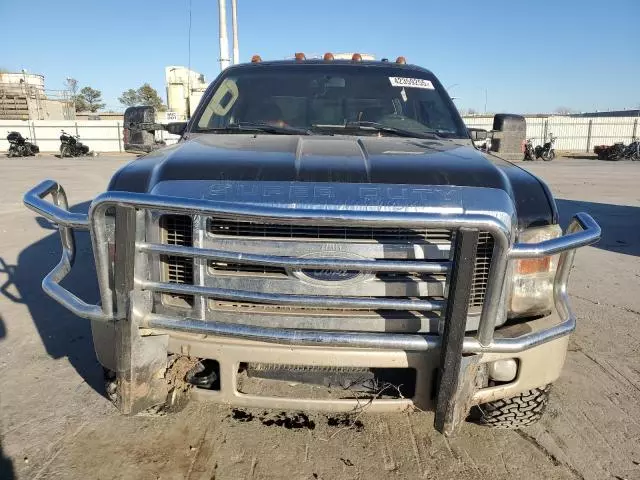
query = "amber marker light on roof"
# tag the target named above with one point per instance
(401, 60)
(256, 59)
(300, 56)
(328, 57)
(356, 57)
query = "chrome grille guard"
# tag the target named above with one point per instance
(130, 237)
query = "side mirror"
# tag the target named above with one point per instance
(139, 129)
(176, 128)
(477, 134)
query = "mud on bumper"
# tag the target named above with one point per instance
(445, 364)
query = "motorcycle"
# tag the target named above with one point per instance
(613, 152)
(546, 151)
(529, 153)
(618, 151)
(632, 151)
(20, 146)
(70, 145)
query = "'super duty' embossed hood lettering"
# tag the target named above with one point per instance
(335, 160)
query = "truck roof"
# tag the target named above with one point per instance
(319, 61)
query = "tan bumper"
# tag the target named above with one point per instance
(537, 366)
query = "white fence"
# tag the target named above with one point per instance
(98, 135)
(578, 134)
(573, 133)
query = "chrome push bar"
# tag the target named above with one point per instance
(582, 231)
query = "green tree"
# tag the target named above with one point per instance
(145, 95)
(129, 98)
(92, 98)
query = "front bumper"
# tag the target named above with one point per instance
(126, 294)
(537, 366)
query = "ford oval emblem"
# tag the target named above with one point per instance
(331, 275)
(324, 277)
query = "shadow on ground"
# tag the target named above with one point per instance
(620, 223)
(6, 467)
(581, 156)
(62, 333)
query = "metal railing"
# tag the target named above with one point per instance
(583, 230)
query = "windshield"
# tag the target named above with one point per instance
(320, 98)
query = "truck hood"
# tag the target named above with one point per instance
(338, 159)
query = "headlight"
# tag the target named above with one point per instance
(532, 278)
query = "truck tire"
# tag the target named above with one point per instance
(515, 412)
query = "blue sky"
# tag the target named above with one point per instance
(530, 56)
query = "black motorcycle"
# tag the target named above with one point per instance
(70, 146)
(546, 151)
(20, 146)
(615, 152)
(632, 151)
(529, 153)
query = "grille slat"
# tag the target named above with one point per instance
(177, 230)
(221, 227)
(481, 269)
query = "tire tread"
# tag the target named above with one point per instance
(515, 412)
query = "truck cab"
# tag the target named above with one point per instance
(325, 232)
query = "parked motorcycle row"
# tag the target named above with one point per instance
(546, 152)
(20, 146)
(618, 151)
(70, 146)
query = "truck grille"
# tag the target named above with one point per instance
(178, 230)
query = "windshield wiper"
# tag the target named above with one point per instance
(241, 127)
(377, 127)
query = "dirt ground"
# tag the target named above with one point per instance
(56, 424)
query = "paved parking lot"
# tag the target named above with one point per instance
(55, 423)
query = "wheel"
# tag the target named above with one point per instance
(515, 412)
(550, 156)
(64, 151)
(10, 153)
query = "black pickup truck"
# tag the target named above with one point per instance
(325, 236)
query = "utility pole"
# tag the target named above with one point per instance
(485, 100)
(234, 21)
(224, 39)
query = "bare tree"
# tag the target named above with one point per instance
(79, 102)
(563, 110)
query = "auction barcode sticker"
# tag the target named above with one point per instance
(411, 82)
